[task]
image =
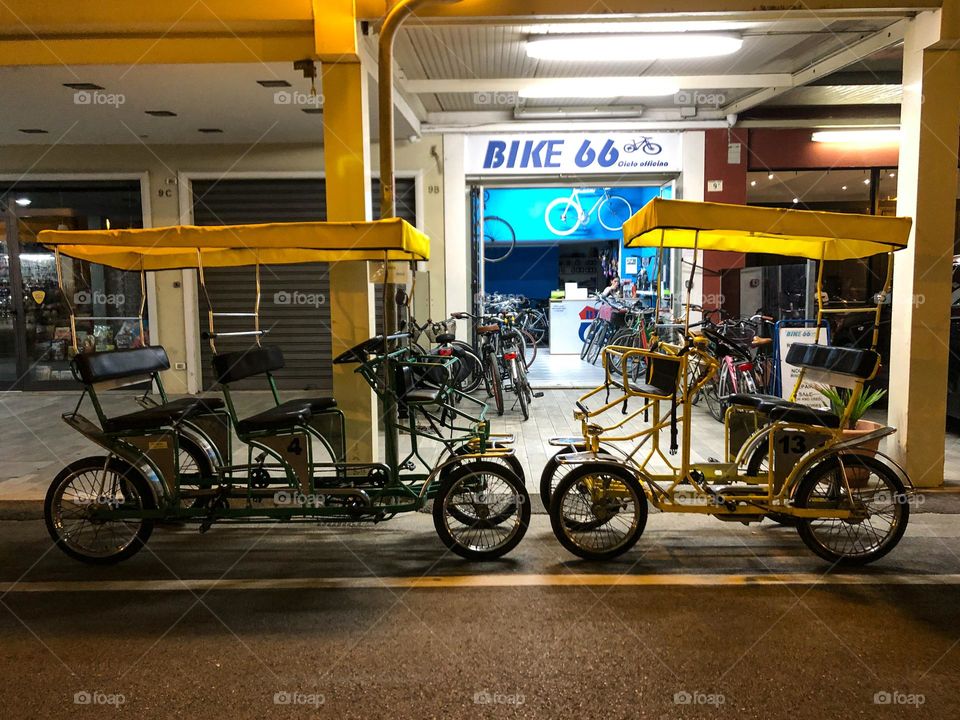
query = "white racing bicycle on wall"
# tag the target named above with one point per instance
(565, 215)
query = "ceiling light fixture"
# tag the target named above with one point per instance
(34, 131)
(770, 176)
(23, 202)
(844, 187)
(753, 183)
(601, 87)
(866, 181)
(273, 83)
(160, 113)
(627, 48)
(883, 136)
(209, 130)
(796, 200)
(893, 174)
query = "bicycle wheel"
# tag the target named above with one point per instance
(872, 490)
(563, 217)
(492, 511)
(492, 374)
(529, 348)
(517, 380)
(535, 323)
(470, 372)
(598, 511)
(600, 341)
(498, 236)
(588, 337)
(613, 212)
(652, 148)
(636, 365)
(89, 485)
(713, 391)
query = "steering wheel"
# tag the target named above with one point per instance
(358, 353)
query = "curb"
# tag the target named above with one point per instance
(21, 509)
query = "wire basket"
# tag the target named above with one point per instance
(435, 330)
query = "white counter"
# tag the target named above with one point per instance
(568, 322)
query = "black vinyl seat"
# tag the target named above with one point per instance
(196, 405)
(283, 417)
(806, 415)
(150, 419)
(752, 401)
(410, 391)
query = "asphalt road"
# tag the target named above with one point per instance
(702, 619)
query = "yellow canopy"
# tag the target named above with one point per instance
(169, 248)
(739, 228)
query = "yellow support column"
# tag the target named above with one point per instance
(346, 143)
(926, 190)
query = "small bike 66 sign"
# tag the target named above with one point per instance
(572, 153)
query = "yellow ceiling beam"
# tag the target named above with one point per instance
(110, 32)
(517, 10)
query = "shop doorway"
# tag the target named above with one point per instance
(36, 344)
(547, 251)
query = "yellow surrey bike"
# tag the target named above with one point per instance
(848, 500)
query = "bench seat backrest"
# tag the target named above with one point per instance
(113, 365)
(838, 366)
(233, 366)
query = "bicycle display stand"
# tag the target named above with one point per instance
(777, 359)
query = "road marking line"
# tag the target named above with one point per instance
(476, 581)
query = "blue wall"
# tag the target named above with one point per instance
(528, 271)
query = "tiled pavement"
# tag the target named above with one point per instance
(35, 443)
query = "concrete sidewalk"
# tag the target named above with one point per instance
(35, 443)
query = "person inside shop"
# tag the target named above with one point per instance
(613, 289)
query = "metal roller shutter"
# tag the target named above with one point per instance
(301, 325)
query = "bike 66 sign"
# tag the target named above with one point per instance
(572, 153)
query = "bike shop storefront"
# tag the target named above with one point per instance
(549, 209)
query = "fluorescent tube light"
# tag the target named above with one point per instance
(624, 48)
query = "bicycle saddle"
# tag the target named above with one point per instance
(487, 329)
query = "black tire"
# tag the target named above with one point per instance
(492, 373)
(757, 467)
(823, 485)
(518, 387)
(588, 337)
(529, 349)
(713, 391)
(470, 375)
(598, 342)
(553, 472)
(458, 489)
(598, 517)
(636, 366)
(131, 491)
(498, 233)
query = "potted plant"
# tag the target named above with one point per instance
(857, 426)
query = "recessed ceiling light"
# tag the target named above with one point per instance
(875, 136)
(82, 86)
(600, 87)
(625, 48)
(753, 183)
(160, 113)
(844, 187)
(23, 202)
(796, 200)
(34, 131)
(770, 176)
(312, 111)
(209, 130)
(273, 83)
(893, 174)
(866, 181)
